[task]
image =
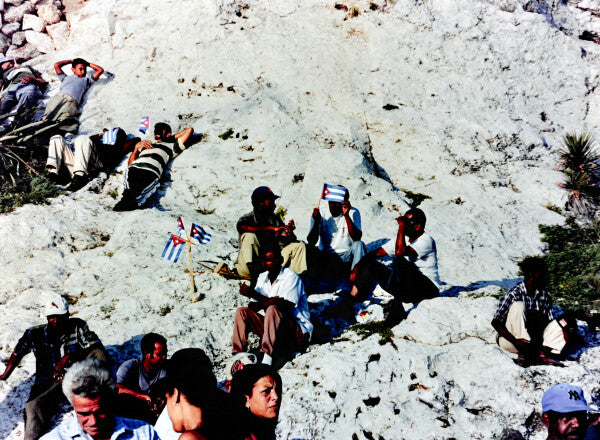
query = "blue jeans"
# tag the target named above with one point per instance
(19, 98)
(354, 254)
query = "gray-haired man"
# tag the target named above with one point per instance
(91, 389)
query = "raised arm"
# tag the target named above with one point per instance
(401, 247)
(59, 65)
(313, 235)
(185, 135)
(353, 230)
(97, 70)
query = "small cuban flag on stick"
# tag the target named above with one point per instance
(173, 248)
(200, 234)
(333, 193)
(180, 224)
(145, 124)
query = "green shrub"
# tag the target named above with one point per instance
(25, 190)
(573, 259)
(415, 198)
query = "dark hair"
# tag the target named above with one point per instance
(533, 265)
(269, 247)
(148, 341)
(77, 61)
(162, 127)
(243, 382)
(418, 216)
(190, 371)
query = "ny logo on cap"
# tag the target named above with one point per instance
(574, 395)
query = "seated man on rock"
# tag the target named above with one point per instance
(56, 346)
(22, 87)
(90, 388)
(136, 380)
(413, 275)
(285, 326)
(565, 414)
(147, 164)
(336, 233)
(66, 103)
(525, 319)
(262, 227)
(103, 151)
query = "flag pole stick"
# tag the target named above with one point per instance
(192, 284)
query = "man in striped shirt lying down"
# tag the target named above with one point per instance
(147, 164)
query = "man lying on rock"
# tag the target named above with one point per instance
(22, 87)
(525, 319)
(76, 163)
(334, 246)
(66, 103)
(413, 275)
(285, 326)
(147, 164)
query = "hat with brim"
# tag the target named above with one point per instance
(564, 398)
(263, 193)
(55, 304)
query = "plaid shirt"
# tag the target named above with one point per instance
(540, 300)
(49, 347)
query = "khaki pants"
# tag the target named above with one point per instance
(553, 336)
(76, 162)
(276, 330)
(294, 254)
(40, 411)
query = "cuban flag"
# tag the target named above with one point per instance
(200, 234)
(173, 248)
(180, 225)
(110, 137)
(145, 124)
(333, 193)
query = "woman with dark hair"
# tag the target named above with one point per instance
(256, 395)
(194, 404)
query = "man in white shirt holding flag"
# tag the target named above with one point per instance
(334, 237)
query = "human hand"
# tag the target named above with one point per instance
(316, 215)
(255, 306)
(353, 274)
(346, 207)
(27, 80)
(291, 226)
(245, 290)
(59, 368)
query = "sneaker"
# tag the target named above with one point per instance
(78, 182)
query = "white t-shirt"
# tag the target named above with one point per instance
(333, 231)
(426, 259)
(164, 427)
(288, 286)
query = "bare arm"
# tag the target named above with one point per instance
(12, 363)
(141, 145)
(355, 233)
(313, 235)
(59, 65)
(401, 247)
(520, 344)
(248, 228)
(124, 390)
(98, 71)
(184, 135)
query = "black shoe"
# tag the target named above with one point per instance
(78, 182)
(53, 178)
(125, 204)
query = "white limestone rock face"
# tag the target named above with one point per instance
(59, 33)
(18, 39)
(4, 43)
(10, 28)
(42, 42)
(49, 13)
(14, 2)
(33, 22)
(26, 52)
(15, 13)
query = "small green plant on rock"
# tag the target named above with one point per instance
(415, 198)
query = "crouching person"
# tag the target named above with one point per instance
(525, 321)
(285, 326)
(92, 391)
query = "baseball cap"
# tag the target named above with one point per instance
(54, 304)
(564, 398)
(238, 362)
(263, 193)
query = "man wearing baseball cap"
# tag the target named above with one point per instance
(56, 346)
(262, 227)
(565, 413)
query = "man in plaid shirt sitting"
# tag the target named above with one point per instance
(525, 320)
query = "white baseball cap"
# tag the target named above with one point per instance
(54, 304)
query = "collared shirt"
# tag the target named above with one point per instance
(131, 374)
(125, 429)
(540, 300)
(50, 346)
(288, 286)
(333, 231)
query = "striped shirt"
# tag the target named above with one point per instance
(50, 346)
(155, 159)
(540, 300)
